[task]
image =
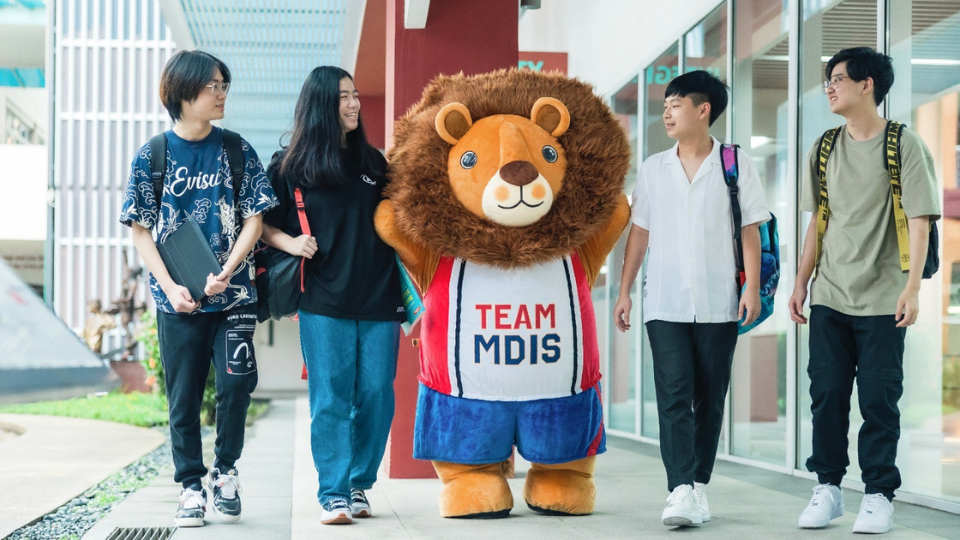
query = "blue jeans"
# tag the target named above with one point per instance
(351, 366)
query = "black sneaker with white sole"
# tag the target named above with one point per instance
(224, 488)
(191, 510)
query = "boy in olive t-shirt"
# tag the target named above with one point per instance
(861, 302)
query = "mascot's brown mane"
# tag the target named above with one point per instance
(428, 212)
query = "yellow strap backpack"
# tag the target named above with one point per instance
(892, 163)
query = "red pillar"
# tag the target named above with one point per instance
(460, 35)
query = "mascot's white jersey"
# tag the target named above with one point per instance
(509, 335)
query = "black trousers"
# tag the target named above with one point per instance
(691, 371)
(188, 346)
(870, 350)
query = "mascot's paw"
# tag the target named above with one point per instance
(565, 489)
(473, 491)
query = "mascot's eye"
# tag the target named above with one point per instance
(468, 160)
(550, 154)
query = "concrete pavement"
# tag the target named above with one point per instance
(280, 486)
(56, 458)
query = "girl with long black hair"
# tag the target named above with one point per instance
(350, 311)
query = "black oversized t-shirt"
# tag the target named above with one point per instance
(354, 273)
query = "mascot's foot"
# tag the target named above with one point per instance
(565, 489)
(473, 491)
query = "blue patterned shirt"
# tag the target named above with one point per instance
(199, 184)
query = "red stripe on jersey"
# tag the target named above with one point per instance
(434, 372)
(592, 450)
(588, 325)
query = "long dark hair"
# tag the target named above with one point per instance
(313, 155)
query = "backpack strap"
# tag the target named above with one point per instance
(728, 160)
(231, 143)
(823, 212)
(305, 229)
(894, 130)
(158, 165)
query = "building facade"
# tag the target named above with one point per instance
(107, 58)
(772, 54)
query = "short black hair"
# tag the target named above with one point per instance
(702, 87)
(863, 63)
(185, 76)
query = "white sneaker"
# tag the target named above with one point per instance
(826, 505)
(336, 512)
(701, 492)
(191, 508)
(682, 509)
(876, 515)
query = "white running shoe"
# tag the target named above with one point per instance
(701, 492)
(682, 509)
(336, 512)
(825, 505)
(876, 515)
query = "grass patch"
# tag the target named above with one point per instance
(144, 410)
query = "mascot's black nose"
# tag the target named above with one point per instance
(519, 173)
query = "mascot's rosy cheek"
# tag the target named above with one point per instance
(512, 244)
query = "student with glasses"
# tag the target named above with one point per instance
(216, 328)
(861, 301)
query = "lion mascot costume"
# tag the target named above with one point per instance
(506, 195)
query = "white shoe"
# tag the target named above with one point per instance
(876, 515)
(336, 512)
(682, 509)
(700, 490)
(825, 505)
(191, 508)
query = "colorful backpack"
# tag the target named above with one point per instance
(769, 241)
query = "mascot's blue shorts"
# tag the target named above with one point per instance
(473, 431)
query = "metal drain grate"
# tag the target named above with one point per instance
(142, 533)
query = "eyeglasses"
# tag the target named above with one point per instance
(834, 81)
(216, 88)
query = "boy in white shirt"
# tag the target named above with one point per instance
(692, 303)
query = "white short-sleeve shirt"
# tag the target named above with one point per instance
(691, 269)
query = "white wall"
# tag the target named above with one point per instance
(31, 101)
(23, 178)
(611, 40)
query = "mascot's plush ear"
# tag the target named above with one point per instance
(552, 115)
(453, 121)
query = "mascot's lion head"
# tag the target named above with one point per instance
(509, 169)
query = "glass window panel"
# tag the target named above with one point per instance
(925, 46)
(705, 47)
(760, 126)
(656, 78)
(827, 27)
(621, 380)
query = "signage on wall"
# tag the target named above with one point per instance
(665, 74)
(543, 61)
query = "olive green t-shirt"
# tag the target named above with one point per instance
(859, 272)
